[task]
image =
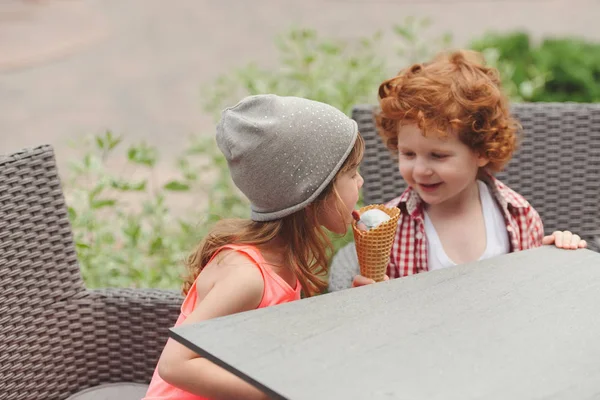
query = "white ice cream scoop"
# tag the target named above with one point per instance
(373, 218)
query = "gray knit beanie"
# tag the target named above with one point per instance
(283, 151)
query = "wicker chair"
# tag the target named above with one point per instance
(57, 337)
(557, 169)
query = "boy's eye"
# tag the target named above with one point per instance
(407, 153)
(439, 155)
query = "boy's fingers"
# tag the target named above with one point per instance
(558, 238)
(575, 239)
(566, 239)
(548, 239)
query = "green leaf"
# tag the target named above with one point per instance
(403, 32)
(133, 231)
(129, 186)
(143, 155)
(72, 214)
(100, 142)
(95, 192)
(96, 204)
(156, 245)
(176, 186)
(108, 141)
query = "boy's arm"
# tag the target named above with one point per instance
(238, 288)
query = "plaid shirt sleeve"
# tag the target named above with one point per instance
(523, 222)
(531, 228)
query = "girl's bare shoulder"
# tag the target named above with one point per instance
(231, 268)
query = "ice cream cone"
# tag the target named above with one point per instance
(373, 246)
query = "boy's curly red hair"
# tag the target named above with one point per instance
(455, 93)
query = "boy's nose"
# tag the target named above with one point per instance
(422, 169)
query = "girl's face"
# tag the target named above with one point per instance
(347, 184)
(440, 169)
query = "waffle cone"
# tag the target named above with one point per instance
(373, 246)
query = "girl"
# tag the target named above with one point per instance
(450, 125)
(296, 160)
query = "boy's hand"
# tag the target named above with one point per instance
(565, 240)
(360, 280)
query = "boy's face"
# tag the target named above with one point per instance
(440, 169)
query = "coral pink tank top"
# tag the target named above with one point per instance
(276, 291)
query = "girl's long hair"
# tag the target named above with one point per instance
(306, 245)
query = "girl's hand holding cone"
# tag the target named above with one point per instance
(360, 280)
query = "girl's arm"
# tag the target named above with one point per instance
(238, 287)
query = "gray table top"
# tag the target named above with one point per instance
(520, 326)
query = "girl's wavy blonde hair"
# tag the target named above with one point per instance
(455, 93)
(307, 246)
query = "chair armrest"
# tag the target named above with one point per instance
(130, 329)
(344, 267)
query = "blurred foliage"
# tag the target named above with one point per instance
(329, 71)
(126, 230)
(340, 73)
(555, 70)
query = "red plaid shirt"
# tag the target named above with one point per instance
(409, 251)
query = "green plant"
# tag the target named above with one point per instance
(512, 55)
(127, 231)
(414, 46)
(574, 67)
(332, 71)
(337, 72)
(554, 70)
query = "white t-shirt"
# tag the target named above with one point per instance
(495, 230)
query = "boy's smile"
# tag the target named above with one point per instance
(442, 170)
(429, 187)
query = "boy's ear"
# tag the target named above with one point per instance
(482, 161)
